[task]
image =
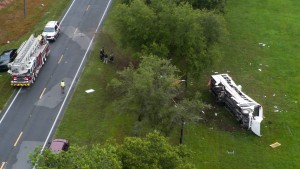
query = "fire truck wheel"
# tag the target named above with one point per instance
(45, 59)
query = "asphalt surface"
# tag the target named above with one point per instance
(33, 113)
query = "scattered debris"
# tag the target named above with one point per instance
(276, 144)
(274, 94)
(42, 4)
(263, 44)
(230, 152)
(216, 114)
(276, 109)
(259, 70)
(8, 41)
(89, 90)
(203, 112)
(200, 118)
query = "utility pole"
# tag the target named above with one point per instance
(181, 132)
(24, 8)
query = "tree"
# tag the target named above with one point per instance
(148, 91)
(97, 156)
(168, 30)
(134, 22)
(152, 152)
(188, 110)
(218, 5)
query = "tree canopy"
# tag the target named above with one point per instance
(170, 30)
(150, 92)
(151, 152)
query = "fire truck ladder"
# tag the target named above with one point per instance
(26, 50)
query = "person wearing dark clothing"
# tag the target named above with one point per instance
(105, 58)
(101, 54)
(112, 57)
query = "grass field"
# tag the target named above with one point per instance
(15, 28)
(268, 74)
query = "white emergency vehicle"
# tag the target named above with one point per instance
(51, 30)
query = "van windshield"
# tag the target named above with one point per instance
(47, 29)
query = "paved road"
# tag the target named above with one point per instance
(32, 114)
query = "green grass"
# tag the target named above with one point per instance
(20, 28)
(90, 118)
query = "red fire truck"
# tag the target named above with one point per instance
(31, 56)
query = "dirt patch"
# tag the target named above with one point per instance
(4, 3)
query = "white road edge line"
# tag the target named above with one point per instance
(67, 12)
(21, 87)
(60, 110)
(10, 105)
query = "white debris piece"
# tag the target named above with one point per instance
(259, 70)
(89, 90)
(230, 152)
(216, 114)
(263, 44)
(274, 94)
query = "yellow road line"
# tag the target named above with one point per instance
(18, 139)
(87, 8)
(60, 59)
(42, 93)
(2, 165)
(75, 30)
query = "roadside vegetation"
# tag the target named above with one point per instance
(15, 28)
(150, 152)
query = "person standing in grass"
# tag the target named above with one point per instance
(105, 58)
(112, 57)
(101, 53)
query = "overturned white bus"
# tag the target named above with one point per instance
(248, 112)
